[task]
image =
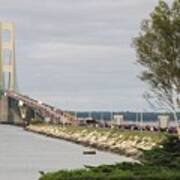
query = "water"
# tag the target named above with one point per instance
(23, 154)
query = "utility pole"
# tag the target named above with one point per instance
(75, 115)
(90, 115)
(137, 118)
(141, 121)
(111, 116)
(101, 116)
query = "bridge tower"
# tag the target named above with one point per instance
(7, 66)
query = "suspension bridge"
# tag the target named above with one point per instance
(16, 108)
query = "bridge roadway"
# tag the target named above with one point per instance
(54, 115)
(58, 116)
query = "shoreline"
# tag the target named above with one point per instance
(129, 144)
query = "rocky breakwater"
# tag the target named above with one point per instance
(128, 143)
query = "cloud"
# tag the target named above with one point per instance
(78, 54)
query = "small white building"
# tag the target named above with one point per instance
(118, 119)
(163, 121)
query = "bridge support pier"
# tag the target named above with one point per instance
(7, 68)
(4, 108)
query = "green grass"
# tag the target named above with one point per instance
(157, 164)
(118, 171)
(156, 137)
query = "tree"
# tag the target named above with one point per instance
(158, 51)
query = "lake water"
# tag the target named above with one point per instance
(23, 154)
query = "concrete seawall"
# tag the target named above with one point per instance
(126, 143)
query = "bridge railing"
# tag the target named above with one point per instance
(54, 114)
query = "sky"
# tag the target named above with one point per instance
(78, 54)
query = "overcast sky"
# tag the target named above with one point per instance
(77, 54)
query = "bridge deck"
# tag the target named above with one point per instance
(44, 109)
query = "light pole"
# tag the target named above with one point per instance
(141, 121)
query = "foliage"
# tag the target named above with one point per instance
(168, 156)
(158, 50)
(159, 163)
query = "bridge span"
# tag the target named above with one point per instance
(22, 109)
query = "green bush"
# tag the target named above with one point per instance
(157, 164)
